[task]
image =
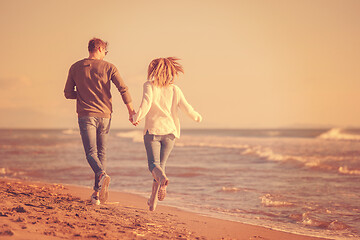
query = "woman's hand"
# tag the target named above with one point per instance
(131, 118)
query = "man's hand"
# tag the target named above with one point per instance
(131, 119)
(136, 123)
(131, 113)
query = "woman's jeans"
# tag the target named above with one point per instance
(94, 132)
(158, 149)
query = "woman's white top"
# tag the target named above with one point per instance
(160, 106)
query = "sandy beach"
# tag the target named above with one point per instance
(35, 210)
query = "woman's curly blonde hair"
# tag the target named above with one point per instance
(162, 71)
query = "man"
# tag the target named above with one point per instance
(89, 83)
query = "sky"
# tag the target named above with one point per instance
(248, 63)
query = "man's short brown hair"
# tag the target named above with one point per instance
(95, 43)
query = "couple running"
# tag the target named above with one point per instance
(89, 83)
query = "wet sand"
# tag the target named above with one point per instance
(35, 210)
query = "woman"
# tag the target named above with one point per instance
(160, 103)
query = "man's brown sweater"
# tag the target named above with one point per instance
(89, 82)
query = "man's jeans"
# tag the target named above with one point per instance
(158, 149)
(94, 132)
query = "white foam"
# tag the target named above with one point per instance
(3, 171)
(335, 225)
(136, 136)
(273, 133)
(337, 134)
(345, 170)
(309, 220)
(70, 132)
(268, 154)
(263, 152)
(210, 141)
(8, 172)
(268, 201)
(233, 189)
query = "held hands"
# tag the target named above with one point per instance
(134, 123)
(131, 114)
(131, 118)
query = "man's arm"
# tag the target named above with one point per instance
(124, 91)
(131, 112)
(69, 90)
(121, 86)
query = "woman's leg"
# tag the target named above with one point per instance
(167, 144)
(158, 149)
(152, 146)
(152, 202)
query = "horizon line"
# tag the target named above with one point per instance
(195, 129)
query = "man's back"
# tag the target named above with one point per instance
(92, 78)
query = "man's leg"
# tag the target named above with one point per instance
(102, 134)
(88, 130)
(101, 140)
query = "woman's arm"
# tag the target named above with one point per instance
(186, 107)
(145, 103)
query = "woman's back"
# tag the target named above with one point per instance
(161, 99)
(159, 120)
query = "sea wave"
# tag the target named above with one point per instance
(268, 200)
(189, 141)
(308, 219)
(326, 163)
(262, 152)
(346, 170)
(70, 131)
(135, 136)
(235, 189)
(319, 161)
(6, 172)
(339, 134)
(212, 145)
(296, 151)
(268, 154)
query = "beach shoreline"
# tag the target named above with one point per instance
(29, 210)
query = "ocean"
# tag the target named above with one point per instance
(304, 181)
